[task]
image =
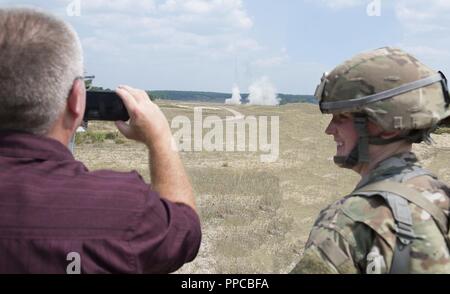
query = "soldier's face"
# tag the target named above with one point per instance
(345, 135)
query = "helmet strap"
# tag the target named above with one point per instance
(415, 136)
(348, 161)
(360, 153)
(380, 141)
(445, 89)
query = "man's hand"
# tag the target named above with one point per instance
(147, 122)
(149, 126)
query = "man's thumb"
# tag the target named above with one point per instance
(124, 128)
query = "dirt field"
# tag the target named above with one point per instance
(256, 216)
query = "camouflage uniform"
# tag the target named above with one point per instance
(396, 220)
(357, 234)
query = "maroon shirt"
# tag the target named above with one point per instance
(51, 205)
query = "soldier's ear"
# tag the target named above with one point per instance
(376, 131)
(389, 135)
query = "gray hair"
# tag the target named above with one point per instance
(40, 57)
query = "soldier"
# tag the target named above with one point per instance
(396, 219)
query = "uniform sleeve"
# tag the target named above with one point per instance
(167, 236)
(326, 252)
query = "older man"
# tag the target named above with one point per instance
(56, 216)
(396, 219)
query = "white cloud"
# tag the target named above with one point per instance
(425, 26)
(243, 44)
(436, 57)
(104, 47)
(272, 61)
(427, 51)
(229, 12)
(175, 44)
(423, 16)
(339, 4)
(211, 27)
(426, 30)
(118, 5)
(269, 62)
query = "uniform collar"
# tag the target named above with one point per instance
(389, 167)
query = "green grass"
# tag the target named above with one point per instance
(96, 137)
(442, 130)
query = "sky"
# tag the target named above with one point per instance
(210, 45)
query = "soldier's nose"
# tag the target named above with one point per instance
(331, 129)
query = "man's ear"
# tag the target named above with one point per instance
(76, 102)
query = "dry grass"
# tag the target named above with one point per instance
(442, 130)
(256, 216)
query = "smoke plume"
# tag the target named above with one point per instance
(262, 92)
(235, 98)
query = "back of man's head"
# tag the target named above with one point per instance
(40, 57)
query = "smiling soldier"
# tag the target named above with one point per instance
(395, 221)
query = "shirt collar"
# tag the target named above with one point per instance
(389, 167)
(27, 145)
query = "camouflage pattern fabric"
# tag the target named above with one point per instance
(380, 70)
(356, 234)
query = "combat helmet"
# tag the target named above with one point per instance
(390, 88)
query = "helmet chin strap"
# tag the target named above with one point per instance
(360, 153)
(415, 136)
(348, 161)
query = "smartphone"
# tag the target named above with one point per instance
(105, 106)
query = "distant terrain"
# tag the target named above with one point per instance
(220, 97)
(215, 97)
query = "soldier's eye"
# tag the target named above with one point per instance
(339, 118)
(343, 117)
